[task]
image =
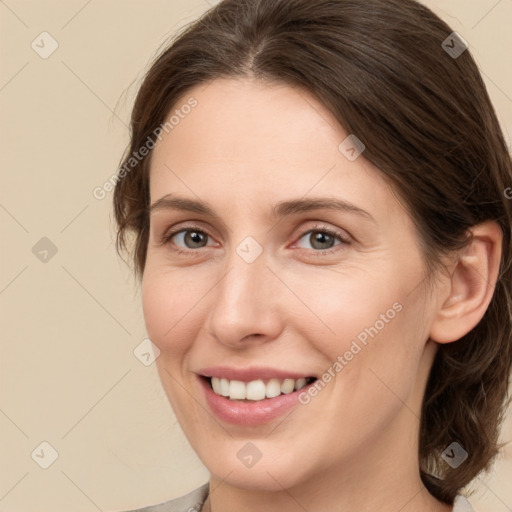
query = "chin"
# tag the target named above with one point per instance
(269, 479)
(272, 472)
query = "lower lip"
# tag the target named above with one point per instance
(249, 413)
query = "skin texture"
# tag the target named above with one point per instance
(246, 146)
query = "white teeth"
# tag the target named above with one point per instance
(237, 390)
(256, 389)
(300, 383)
(224, 387)
(216, 385)
(288, 386)
(273, 388)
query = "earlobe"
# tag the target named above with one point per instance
(470, 285)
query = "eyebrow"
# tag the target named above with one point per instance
(281, 209)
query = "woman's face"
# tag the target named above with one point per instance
(261, 284)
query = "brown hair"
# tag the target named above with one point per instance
(427, 122)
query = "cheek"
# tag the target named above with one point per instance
(382, 374)
(353, 305)
(375, 338)
(169, 304)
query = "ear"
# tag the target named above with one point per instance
(470, 287)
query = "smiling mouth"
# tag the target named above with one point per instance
(256, 390)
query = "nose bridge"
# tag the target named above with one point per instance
(245, 299)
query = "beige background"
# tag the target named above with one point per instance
(68, 374)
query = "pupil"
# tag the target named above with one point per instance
(195, 237)
(321, 238)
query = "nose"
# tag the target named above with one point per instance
(247, 303)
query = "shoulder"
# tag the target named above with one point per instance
(191, 502)
(461, 504)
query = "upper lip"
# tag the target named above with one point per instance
(250, 374)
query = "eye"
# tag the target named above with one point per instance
(189, 238)
(322, 239)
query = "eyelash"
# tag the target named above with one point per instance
(166, 239)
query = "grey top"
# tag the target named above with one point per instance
(193, 502)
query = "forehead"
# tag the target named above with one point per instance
(253, 119)
(261, 140)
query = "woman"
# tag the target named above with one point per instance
(317, 192)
